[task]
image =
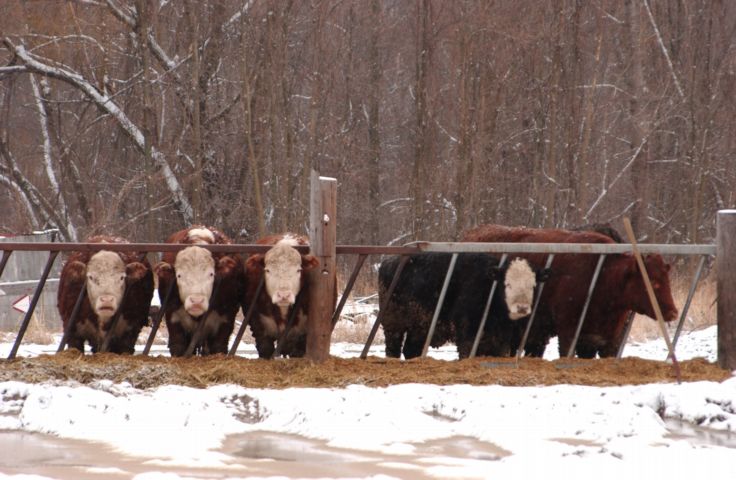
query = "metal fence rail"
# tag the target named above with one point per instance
(362, 251)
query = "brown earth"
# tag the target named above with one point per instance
(200, 372)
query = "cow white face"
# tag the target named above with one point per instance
(519, 283)
(195, 276)
(105, 283)
(199, 236)
(283, 270)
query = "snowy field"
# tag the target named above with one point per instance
(411, 431)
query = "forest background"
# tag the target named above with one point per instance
(138, 117)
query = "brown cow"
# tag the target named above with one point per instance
(106, 275)
(620, 288)
(198, 274)
(285, 271)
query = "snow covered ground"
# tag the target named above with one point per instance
(563, 431)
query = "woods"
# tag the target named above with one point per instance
(138, 118)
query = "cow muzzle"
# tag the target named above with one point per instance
(283, 298)
(518, 311)
(196, 305)
(106, 305)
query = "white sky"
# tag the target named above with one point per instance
(564, 431)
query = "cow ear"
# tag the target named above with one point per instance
(257, 261)
(76, 271)
(134, 272)
(544, 274)
(497, 273)
(309, 262)
(163, 270)
(225, 265)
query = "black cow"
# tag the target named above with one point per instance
(408, 314)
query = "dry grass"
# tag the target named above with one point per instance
(200, 372)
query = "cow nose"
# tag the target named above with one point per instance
(283, 297)
(196, 299)
(522, 309)
(107, 299)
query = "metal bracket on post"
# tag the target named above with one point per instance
(322, 279)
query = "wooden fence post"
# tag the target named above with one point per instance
(725, 281)
(322, 279)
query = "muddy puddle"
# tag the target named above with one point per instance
(260, 454)
(266, 454)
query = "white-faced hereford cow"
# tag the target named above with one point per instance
(407, 316)
(106, 275)
(285, 271)
(208, 287)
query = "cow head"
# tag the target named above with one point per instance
(283, 267)
(200, 235)
(658, 271)
(106, 275)
(195, 277)
(519, 281)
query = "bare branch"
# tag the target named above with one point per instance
(105, 103)
(664, 49)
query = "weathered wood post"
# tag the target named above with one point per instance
(322, 279)
(725, 281)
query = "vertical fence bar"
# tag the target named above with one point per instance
(73, 318)
(4, 261)
(159, 315)
(725, 280)
(689, 300)
(382, 307)
(247, 317)
(484, 318)
(625, 335)
(348, 288)
(528, 328)
(34, 301)
(440, 301)
(571, 350)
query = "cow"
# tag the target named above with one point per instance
(108, 277)
(619, 289)
(206, 291)
(408, 313)
(286, 278)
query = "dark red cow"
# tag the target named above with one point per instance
(285, 271)
(620, 288)
(208, 288)
(106, 275)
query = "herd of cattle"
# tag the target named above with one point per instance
(203, 291)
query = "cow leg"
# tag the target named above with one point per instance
(585, 351)
(297, 347)
(265, 346)
(393, 339)
(414, 343)
(217, 343)
(75, 342)
(178, 339)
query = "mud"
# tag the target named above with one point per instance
(200, 372)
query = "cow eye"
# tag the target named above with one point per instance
(267, 270)
(298, 270)
(178, 275)
(122, 277)
(212, 274)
